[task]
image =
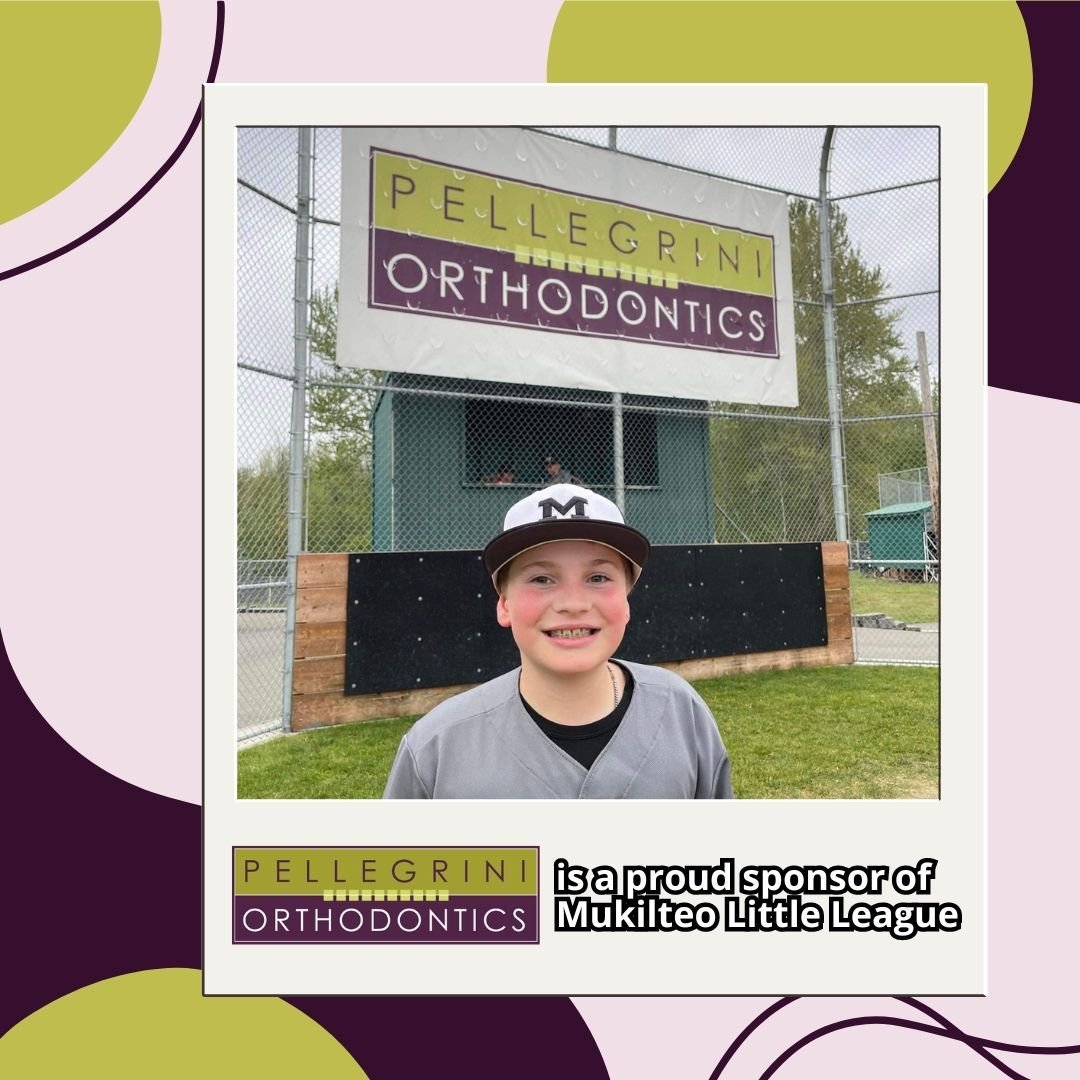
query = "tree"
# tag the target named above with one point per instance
(339, 496)
(772, 478)
(340, 405)
(261, 517)
(338, 465)
(341, 399)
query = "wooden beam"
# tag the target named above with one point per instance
(834, 564)
(322, 570)
(319, 674)
(320, 639)
(333, 707)
(712, 666)
(320, 604)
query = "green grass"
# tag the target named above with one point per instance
(810, 733)
(347, 762)
(905, 601)
(830, 733)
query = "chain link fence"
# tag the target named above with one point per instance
(388, 455)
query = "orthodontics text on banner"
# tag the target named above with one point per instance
(508, 255)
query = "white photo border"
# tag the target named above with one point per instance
(950, 829)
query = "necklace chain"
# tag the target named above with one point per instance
(614, 686)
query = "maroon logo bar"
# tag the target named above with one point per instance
(310, 920)
(442, 278)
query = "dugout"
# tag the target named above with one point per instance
(898, 536)
(441, 459)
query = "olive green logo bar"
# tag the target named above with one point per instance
(548, 227)
(262, 871)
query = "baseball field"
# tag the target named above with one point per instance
(852, 732)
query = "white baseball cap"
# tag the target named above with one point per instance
(564, 512)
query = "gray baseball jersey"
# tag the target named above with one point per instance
(482, 744)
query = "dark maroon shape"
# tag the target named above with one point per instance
(1034, 335)
(82, 851)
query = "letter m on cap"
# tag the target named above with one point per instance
(574, 507)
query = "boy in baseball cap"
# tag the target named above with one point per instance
(570, 722)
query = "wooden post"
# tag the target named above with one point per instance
(929, 437)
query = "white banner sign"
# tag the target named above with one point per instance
(507, 255)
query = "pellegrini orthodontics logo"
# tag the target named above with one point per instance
(459, 243)
(424, 896)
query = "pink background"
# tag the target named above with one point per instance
(103, 366)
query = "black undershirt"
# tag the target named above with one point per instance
(583, 742)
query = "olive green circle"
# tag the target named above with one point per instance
(731, 41)
(158, 1024)
(72, 76)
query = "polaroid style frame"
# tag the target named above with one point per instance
(950, 829)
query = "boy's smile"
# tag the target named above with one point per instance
(566, 604)
(571, 633)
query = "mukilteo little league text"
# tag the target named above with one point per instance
(754, 899)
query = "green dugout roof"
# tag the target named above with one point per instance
(899, 508)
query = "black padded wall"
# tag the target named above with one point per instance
(427, 618)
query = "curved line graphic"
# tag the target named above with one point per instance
(948, 1030)
(945, 1022)
(116, 215)
(955, 1034)
(747, 1031)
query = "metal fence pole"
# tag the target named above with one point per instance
(828, 314)
(298, 425)
(617, 450)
